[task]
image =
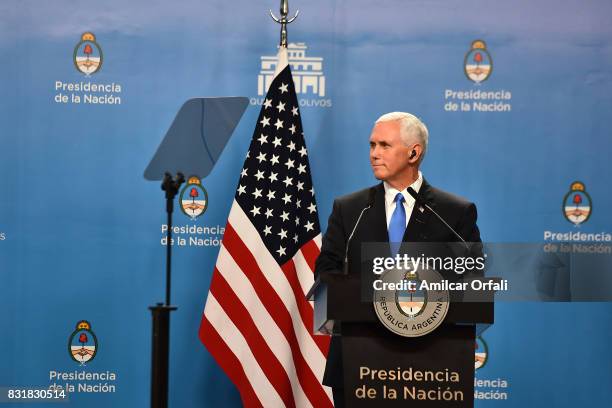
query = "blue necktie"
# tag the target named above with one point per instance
(397, 226)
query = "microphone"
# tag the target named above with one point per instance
(370, 203)
(418, 200)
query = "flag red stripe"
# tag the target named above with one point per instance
(241, 318)
(311, 251)
(229, 363)
(273, 303)
(304, 307)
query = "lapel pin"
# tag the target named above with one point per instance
(421, 209)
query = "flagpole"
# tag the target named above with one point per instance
(283, 21)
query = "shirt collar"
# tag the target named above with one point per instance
(391, 192)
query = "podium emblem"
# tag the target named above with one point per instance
(83, 343)
(577, 204)
(411, 301)
(410, 310)
(194, 198)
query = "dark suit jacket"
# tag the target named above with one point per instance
(422, 227)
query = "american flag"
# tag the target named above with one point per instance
(257, 323)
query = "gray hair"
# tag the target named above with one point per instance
(411, 128)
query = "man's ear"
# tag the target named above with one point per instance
(415, 153)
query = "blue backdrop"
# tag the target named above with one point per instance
(80, 228)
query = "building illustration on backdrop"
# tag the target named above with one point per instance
(307, 71)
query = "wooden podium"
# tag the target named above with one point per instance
(383, 369)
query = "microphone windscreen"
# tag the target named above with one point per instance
(413, 194)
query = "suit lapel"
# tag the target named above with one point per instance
(416, 229)
(377, 217)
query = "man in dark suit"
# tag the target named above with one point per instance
(398, 144)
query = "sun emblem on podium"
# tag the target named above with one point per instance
(83, 343)
(478, 64)
(87, 55)
(577, 204)
(411, 302)
(193, 198)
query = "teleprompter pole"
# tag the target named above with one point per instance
(161, 312)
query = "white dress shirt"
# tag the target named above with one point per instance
(390, 194)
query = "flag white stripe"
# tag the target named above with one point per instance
(265, 324)
(317, 241)
(237, 344)
(283, 60)
(304, 273)
(277, 279)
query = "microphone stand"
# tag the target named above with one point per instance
(345, 269)
(371, 196)
(418, 200)
(161, 312)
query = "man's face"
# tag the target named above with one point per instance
(389, 157)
